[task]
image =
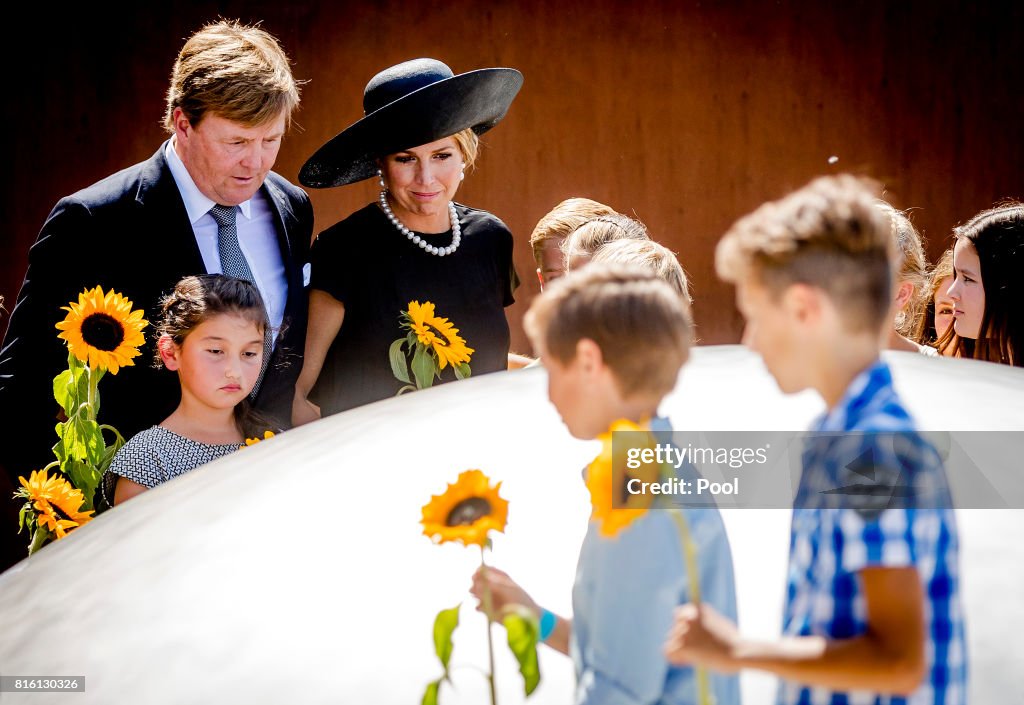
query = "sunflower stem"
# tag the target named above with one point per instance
(487, 612)
(39, 537)
(94, 383)
(117, 434)
(693, 576)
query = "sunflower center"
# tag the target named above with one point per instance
(468, 511)
(441, 338)
(59, 511)
(624, 496)
(102, 332)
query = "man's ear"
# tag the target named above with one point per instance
(182, 125)
(169, 352)
(589, 356)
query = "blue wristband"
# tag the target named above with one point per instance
(548, 620)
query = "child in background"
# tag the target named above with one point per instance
(587, 239)
(938, 312)
(872, 611)
(546, 243)
(649, 255)
(613, 339)
(908, 299)
(988, 289)
(211, 334)
(553, 228)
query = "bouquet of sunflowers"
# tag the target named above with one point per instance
(103, 334)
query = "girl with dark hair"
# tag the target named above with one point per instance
(211, 334)
(987, 289)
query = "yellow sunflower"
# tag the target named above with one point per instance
(438, 334)
(58, 505)
(48, 519)
(102, 329)
(613, 508)
(254, 441)
(466, 512)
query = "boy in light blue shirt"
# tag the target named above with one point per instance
(613, 339)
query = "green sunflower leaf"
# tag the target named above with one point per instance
(99, 372)
(523, 634)
(81, 374)
(83, 439)
(430, 696)
(462, 371)
(423, 368)
(64, 391)
(444, 624)
(26, 516)
(58, 447)
(399, 366)
(108, 456)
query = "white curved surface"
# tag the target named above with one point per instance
(295, 570)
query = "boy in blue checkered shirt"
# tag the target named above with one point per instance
(872, 609)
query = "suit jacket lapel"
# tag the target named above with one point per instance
(169, 225)
(285, 221)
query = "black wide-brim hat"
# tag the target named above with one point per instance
(405, 106)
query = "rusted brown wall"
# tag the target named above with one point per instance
(685, 114)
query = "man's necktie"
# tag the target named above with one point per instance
(234, 264)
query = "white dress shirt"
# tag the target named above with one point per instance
(257, 236)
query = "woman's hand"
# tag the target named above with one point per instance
(303, 410)
(326, 315)
(505, 592)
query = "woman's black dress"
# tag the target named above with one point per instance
(375, 271)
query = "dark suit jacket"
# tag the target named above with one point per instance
(129, 232)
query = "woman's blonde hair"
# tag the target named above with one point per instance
(469, 144)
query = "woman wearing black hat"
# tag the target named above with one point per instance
(415, 243)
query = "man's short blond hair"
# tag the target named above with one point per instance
(235, 71)
(641, 325)
(649, 255)
(562, 220)
(831, 234)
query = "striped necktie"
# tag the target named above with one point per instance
(234, 264)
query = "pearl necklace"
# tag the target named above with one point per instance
(453, 217)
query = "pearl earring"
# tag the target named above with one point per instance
(463, 174)
(380, 177)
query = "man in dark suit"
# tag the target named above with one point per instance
(142, 229)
